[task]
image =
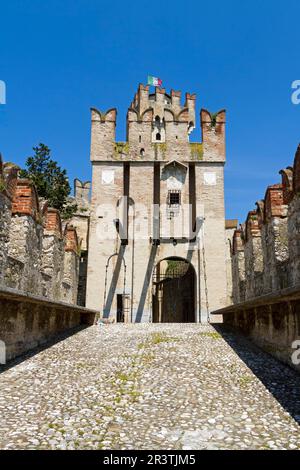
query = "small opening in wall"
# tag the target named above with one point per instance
(173, 198)
(140, 138)
(190, 127)
(176, 137)
(158, 136)
(120, 308)
(142, 152)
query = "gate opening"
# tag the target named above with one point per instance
(173, 295)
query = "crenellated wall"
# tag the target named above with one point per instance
(35, 256)
(265, 261)
(265, 254)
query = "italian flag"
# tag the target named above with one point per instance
(154, 81)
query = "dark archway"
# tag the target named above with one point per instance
(174, 297)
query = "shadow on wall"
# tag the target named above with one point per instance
(108, 297)
(280, 380)
(48, 344)
(146, 284)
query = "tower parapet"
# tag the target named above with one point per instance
(213, 135)
(158, 129)
(103, 134)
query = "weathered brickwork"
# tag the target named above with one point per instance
(156, 163)
(266, 250)
(52, 255)
(35, 257)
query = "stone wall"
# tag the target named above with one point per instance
(272, 321)
(28, 321)
(8, 178)
(266, 269)
(35, 256)
(230, 227)
(266, 249)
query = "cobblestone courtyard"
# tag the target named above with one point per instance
(150, 386)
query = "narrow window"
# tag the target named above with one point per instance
(140, 138)
(158, 136)
(142, 152)
(174, 198)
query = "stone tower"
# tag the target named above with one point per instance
(157, 203)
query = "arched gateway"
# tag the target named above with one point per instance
(174, 291)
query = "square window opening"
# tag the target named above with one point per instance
(174, 197)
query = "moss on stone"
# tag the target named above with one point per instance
(2, 185)
(211, 334)
(160, 149)
(196, 151)
(121, 149)
(213, 119)
(245, 380)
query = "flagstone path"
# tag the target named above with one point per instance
(150, 386)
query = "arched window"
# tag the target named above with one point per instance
(158, 136)
(142, 152)
(157, 120)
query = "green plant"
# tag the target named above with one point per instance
(2, 185)
(159, 148)
(211, 334)
(121, 148)
(213, 119)
(50, 180)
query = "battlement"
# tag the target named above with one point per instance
(71, 239)
(53, 225)
(265, 253)
(165, 105)
(34, 254)
(158, 129)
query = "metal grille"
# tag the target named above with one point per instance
(173, 272)
(174, 197)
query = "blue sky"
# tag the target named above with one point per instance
(59, 58)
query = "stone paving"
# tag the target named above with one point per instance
(150, 386)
